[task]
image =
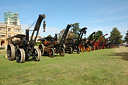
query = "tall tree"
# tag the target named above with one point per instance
(115, 33)
(99, 32)
(126, 37)
(75, 30)
(49, 36)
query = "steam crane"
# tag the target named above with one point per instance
(87, 45)
(50, 46)
(104, 44)
(97, 44)
(74, 46)
(92, 44)
(23, 48)
(60, 47)
(79, 38)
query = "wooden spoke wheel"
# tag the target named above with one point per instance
(62, 52)
(70, 50)
(88, 49)
(37, 54)
(82, 49)
(78, 50)
(92, 48)
(102, 47)
(51, 52)
(97, 48)
(11, 52)
(20, 55)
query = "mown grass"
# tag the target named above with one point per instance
(100, 67)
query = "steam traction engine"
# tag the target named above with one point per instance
(93, 42)
(22, 48)
(74, 45)
(87, 45)
(97, 44)
(104, 44)
(51, 46)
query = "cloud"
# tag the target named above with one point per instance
(16, 7)
(25, 6)
(109, 19)
(116, 10)
(7, 7)
(113, 9)
(48, 30)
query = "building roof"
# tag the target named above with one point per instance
(17, 36)
(1, 23)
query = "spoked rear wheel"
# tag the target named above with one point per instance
(82, 49)
(20, 55)
(51, 52)
(88, 49)
(62, 52)
(92, 48)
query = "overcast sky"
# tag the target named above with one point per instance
(94, 14)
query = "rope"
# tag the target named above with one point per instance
(31, 25)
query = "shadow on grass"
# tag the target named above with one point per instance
(124, 55)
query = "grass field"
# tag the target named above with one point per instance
(100, 67)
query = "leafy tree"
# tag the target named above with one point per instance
(116, 33)
(49, 36)
(99, 32)
(126, 37)
(75, 30)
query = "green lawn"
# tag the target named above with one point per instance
(100, 67)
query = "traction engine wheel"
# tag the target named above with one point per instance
(51, 52)
(11, 52)
(70, 50)
(102, 47)
(92, 48)
(37, 54)
(20, 55)
(62, 52)
(82, 49)
(97, 48)
(88, 49)
(78, 50)
(41, 47)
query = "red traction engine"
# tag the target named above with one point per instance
(97, 44)
(104, 44)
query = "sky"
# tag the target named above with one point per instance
(94, 14)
